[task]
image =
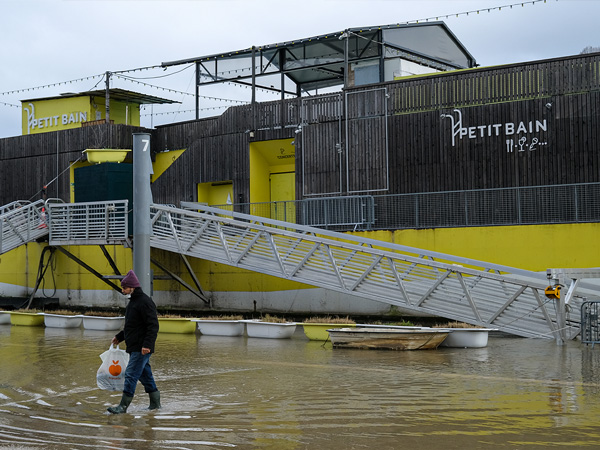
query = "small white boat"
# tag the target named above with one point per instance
(388, 338)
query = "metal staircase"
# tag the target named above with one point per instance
(416, 280)
(509, 299)
(21, 222)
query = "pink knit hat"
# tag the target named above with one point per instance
(130, 280)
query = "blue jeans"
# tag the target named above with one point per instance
(138, 369)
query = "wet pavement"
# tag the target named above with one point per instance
(247, 393)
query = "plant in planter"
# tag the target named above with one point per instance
(272, 327)
(174, 323)
(464, 335)
(27, 317)
(231, 325)
(103, 320)
(62, 319)
(315, 328)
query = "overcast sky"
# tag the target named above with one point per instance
(45, 42)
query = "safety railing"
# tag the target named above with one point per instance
(93, 223)
(553, 204)
(509, 299)
(21, 222)
(590, 322)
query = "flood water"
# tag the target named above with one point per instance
(246, 393)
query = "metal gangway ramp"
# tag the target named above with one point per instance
(430, 283)
(21, 222)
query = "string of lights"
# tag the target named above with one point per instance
(477, 11)
(333, 35)
(160, 76)
(206, 97)
(45, 86)
(9, 104)
(167, 113)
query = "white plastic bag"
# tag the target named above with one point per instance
(111, 374)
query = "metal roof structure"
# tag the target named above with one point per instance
(320, 61)
(114, 94)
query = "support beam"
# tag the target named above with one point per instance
(200, 295)
(88, 268)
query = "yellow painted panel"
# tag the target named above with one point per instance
(532, 247)
(78, 164)
(259, 176)
(42, 116)
(53, 114)
(283, 186)
(163, 162)
(216, 193)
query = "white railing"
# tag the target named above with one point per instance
(21, 222)
(93, 223)
(509, 299)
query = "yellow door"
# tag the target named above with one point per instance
(283, 194)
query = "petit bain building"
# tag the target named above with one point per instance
(419, 146)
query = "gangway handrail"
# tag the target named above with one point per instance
(222, 213)
(21, 222)
(513, 301)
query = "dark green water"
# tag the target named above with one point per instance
(246, 393)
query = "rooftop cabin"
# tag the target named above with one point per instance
(74, 110)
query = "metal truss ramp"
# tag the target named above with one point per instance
(21, 222)
(422, 282)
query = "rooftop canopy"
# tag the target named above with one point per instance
(319, 62)
(114, 94)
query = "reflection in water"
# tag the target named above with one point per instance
(224, 392)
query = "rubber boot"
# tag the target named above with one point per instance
(121, 407)
(154, 400)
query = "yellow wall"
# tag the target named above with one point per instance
(215, 193)
(531, 247)
(267, 158)
(536, 247)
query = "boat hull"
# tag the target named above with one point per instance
(386, 338)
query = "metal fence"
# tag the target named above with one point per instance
(571, 203)
(590, 325)
(89, 223)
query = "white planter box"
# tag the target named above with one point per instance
(467, 337)
(62, 321)
(103, 323)
(271, 330)
(220, 327)
(4, 317)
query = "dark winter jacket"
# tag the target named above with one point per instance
(141, 323)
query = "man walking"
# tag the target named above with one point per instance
(139, 333)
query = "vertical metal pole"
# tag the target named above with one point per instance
(560, 320)
(197, 90)
(253, 102)
(107, 99)
(142, 199)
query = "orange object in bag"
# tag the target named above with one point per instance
(111, 374)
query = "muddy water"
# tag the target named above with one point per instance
(222, 392)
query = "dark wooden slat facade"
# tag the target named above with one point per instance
(398, 140)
